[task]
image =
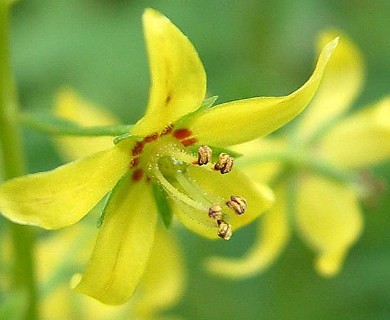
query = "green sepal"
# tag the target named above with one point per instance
(123, 137)
(56, 126)
(163, 206)
(206, 104)
(108, 198)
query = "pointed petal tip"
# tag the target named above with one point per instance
(150, 14)
(331, 46)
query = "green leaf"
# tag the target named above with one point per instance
(206, 104)
(56, 126)
(163, 207)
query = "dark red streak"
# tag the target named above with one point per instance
(139, 146)
(137, 175)
(182, 134)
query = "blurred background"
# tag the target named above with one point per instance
(249, 48)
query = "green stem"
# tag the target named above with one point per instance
(13, 166)
(302, 161)
(56, 126)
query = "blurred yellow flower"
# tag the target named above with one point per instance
(160, 287)
(315, 175)
(157, 159)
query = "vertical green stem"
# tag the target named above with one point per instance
(13, 166)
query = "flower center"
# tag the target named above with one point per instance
(164, 159)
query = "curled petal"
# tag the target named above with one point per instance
(329, 220)
(272, 236)
(123, 245)
(71, 107)
(259, 198)
(342, 81)
(61, 197)
(162, 284)
(362, 139)
(244, 120)
(177, 75)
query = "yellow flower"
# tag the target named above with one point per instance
(162, 283)
(158, 159)
(316, 187)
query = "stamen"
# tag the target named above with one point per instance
(204, 155)
(175, 193)
(215, 212)
(224, 230)
(224, 163)
(237, 204)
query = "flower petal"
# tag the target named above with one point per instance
(178, 80)
(70, 106)
(244, 120)
(123, 245)
(361, 139)
(272, 236)
(61, 197)
(329, 219)
(221, 187)
(342, 81)
(162, 284)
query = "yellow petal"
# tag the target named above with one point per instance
(342, 81)
(70, 106)
(244, 120)
(329, 219)
(123, 245)
(162, 284)
(178, 80)
(361, 139)
(258, 160)
(272, 236)
(259, 199)
(61, 197)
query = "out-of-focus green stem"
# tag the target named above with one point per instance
(300, 160)
(13, 166)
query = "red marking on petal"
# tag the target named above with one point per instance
(189, 142)
(182, 134)
(150, 138)
(168, 99)
(137, 148)
(134, 162)
(137, 175)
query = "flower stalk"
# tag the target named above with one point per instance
(300, 161)
(13, 166)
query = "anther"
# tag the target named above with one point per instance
(237, 204)
(224, 230)
(204, 155)
(215, 212)
(224, 163)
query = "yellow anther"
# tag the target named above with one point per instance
(215, 212)
(204, 155)
(237, 204)
(224, 230)
(224, 163)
